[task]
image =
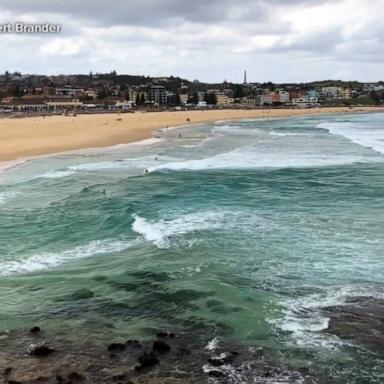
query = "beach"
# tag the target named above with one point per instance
(250, 251)
(33, 136)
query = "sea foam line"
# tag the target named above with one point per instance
(250, 157)
(45, 261)
(372, 138)
(303, 318)
(166, 233)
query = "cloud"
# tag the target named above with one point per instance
(199, 39)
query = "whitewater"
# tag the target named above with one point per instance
(245, 231)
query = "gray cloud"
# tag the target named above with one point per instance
(207, 40)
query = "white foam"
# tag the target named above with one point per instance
(134, 163)
(166, 233)
(372, 138)
(302, 317)
(6, 196)
(248, 157)
(287, 134)
(56, 174)
(213, 344)
(236, 130)
(44, 261)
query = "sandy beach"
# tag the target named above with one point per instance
(22, 138)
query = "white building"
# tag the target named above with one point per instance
(332, 93)
(124, 104)
(305, 101)
(184, 98)
(266, 100)
(284, 96)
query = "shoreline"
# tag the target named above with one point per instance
(26, 139)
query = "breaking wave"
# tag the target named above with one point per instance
(249, 157)
(45, 261)
(167, 233)
(372, 138)
(303, 318)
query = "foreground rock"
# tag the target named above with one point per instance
(40, 350)
(360, 320)
(164, 359)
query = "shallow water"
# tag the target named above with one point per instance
(241, 230)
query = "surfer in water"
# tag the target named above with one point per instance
(85, 188)
(146, 172)
(103, 191)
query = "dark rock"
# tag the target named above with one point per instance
(75, 376)
(121, 376)
(215, 373)
(35, 330)
(224, 358)
(147, 360)
(59, 379)
(7, 371)
(161, 346)
(304, 371)
(14, 382)
(133, 343)
(40, 350)
(360, 320)
(116, 347)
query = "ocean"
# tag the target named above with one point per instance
(241, 231)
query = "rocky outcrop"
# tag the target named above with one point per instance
(360, 320)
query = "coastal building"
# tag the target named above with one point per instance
(284, 96)
(305, 101)
(346, 93)
(201, 96)
(34, 104)
(158, 95)
(184, 98)
(124, 104)
(223, 100)
(63, 103)
(332, 93)
(265, 100)
(275, 97)
(249, 102)
(313, 93)
(90, 93)
(69, 91)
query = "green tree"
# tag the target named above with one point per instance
(17, 91)
(138, 99)
(102, 94)
(142, 99)
(210, 98)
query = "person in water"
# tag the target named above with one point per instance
(103, 191)
(146, 172)
(85, 188)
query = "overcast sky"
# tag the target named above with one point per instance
(209, 40)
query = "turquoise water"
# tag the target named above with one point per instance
(241, 231)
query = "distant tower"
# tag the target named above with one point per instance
(245, 77)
